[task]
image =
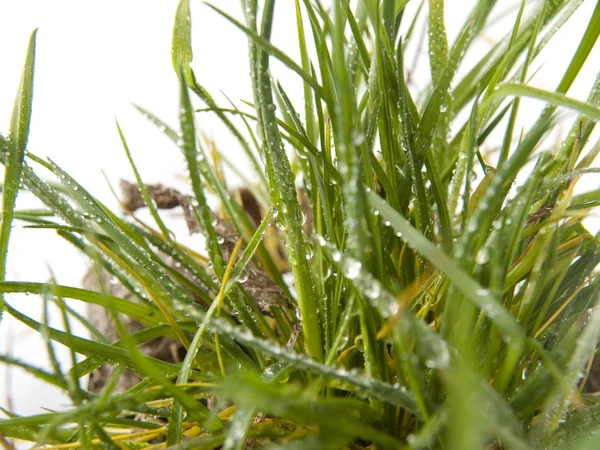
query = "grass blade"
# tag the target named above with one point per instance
(19, 132)
(476, 293)
(553, 98)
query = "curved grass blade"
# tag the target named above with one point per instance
(562, 396)
(17, 141)
(142, 313)
(352, 381)
(162, 126)
(553, 98)
(267, 47)
(99, 350)
(41, 374)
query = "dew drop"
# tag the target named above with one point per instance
(359, 343)
(300, 215)
(483, 256)
(351, 269)
(309, 251)
(326, 272)
(373, 290)
(243, 277)
(483, 292)
(357, 137)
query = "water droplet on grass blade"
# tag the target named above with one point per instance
(483, 292)
(373, 290)
(243, 277)
(351, 269)
(309, 251)
(483, 256)
(300, 215)
(357, 137)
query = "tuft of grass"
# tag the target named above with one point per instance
(434, 302)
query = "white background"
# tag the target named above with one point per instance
(96, 58)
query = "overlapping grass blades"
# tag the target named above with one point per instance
(433, 303)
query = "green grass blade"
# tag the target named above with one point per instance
(188, 134)
(237, 432)
(39, 373)
(249, 251)
(558, 403)
(583, 50)
(181, 47)
(19, 132)
(470, 288)
(144, 365)
(266, 46)
(348, 380)
(553, 98)
(578, 431)
(143, 313)
(290, 216)
(98, 350)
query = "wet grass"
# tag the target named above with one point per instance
(435, 302)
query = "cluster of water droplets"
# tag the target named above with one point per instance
(280, 211)
(430, 347)
(362, 280)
